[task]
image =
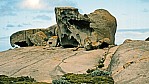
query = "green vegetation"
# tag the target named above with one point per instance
(90, 70)
(46, 39)
(18, 80)
(100, 63)
(100, 73)
(95, 77)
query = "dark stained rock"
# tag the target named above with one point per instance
(147, 39)
(38, 39)
(74, 28)
(130, 63)
(53, 41)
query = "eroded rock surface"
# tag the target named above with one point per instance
(130, 63)
(74, 28)
(27, 37)
(38, 39)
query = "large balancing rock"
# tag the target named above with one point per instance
(74, 27)
(104, 24)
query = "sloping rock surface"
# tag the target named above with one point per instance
(130, 63)
(47, 64)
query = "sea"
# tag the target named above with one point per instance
(121, 35)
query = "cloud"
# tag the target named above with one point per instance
(7, 11)
(12, 7)
(19, 25)
(5, 28)
(145, 1)
(145, 10)
(139, 34)
(45, 6)
(26, 24)
(8, 7)
(42, 17)
(10, 25)
(32, 4)
(5, 37)
(61, 3)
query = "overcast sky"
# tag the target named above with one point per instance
(24, 14)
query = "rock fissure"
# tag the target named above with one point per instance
(25, 67)
(130, 59)
(63, 61)
(13, 59)
(127, 64)
(131, 80)
(58, 68)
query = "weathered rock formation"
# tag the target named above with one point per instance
(32, 36)
(38, 39)
(94, 30)
(53, 41)
(130, 63)
(74, 28)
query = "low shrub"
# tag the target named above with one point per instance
(46, 39)
(100, 65)
(90, 70)
(100, 73)
(92, 78)
(18, 80)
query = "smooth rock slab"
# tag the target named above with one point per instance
(130, 63)
(47, 64)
